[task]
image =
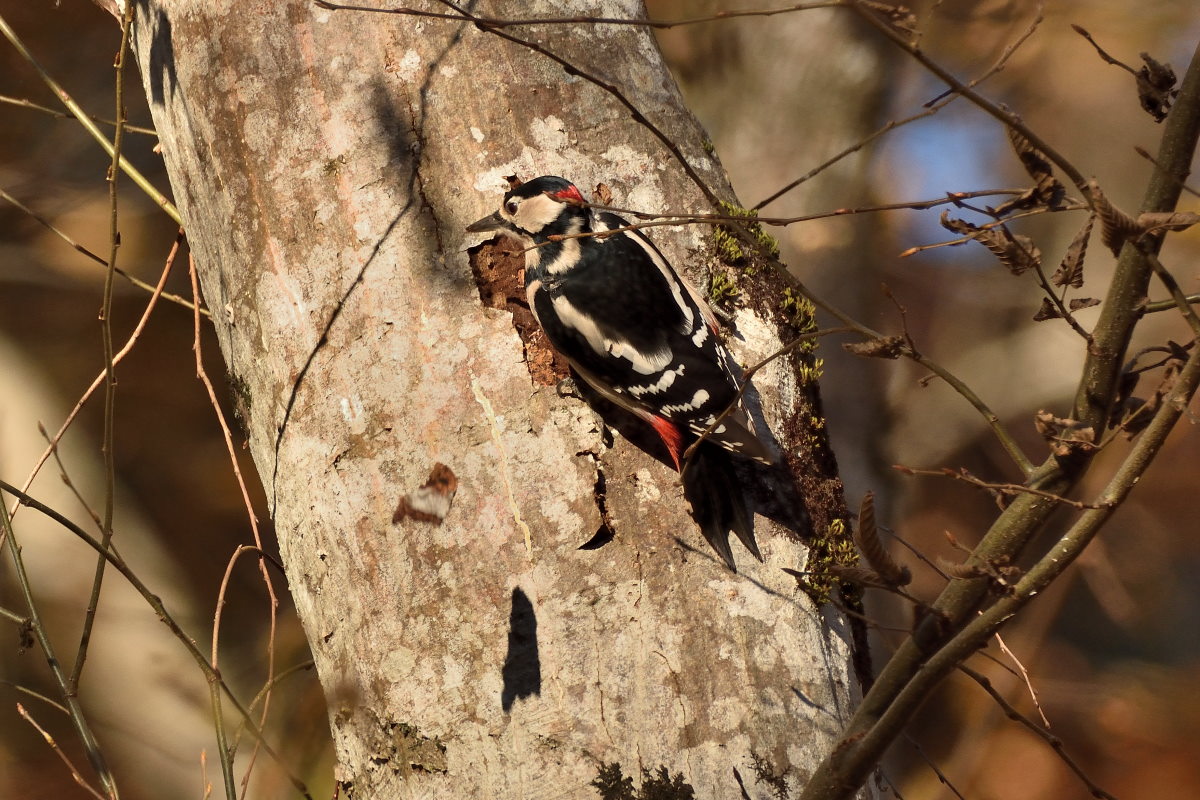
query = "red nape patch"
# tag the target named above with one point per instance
(569, 195)
(671, 436)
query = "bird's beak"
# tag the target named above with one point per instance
(494, 222)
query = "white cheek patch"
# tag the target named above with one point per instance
(642, 363)
(536, 213)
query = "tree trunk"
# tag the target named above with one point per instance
(326, 164)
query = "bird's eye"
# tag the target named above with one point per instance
(511, 206)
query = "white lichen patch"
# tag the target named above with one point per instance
(351, 409)
(476, 134)
(408, 66)
(647, 490)
(548, 134)
(750, 602)
(398, 665)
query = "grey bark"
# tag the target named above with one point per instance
(325, 164)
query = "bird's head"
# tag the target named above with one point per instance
(536, 209)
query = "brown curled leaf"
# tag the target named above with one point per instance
(1070, 271)
(1156, 87)
(602, 194)
(866, 536)
(1016, 252)
(1115, 225)
(1083, 302)
(1047, 190)
(1047, 311)
(1167, 221)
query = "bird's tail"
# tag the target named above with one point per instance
(711, 486)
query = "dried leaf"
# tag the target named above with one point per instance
(886, 347)
(1047, 190)
(1016, 252)
(1064, 434)
(866, 536)
(1030, 198)
(1070, 272)
(513, 181)
(1115, 225)
(1169, 221)
(1047, 311)
(1083, 302)
(603, 194)
(1156, 87)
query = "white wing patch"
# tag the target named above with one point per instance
(663, 383)
(698, 399)
(642, 363)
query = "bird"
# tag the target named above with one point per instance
(640, 335)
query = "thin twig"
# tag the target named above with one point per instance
(1056, 744)
(215, 694)
(76, 111)
(174, 298)
(496, 22)
(1141, 151)
(1006, 439)
(1001, 488)
(1156, 306)
(25, 690)
(91, 390)
(1005, 116)
(160, 611)
(932, 108)
(941, 776)
(74, 709)
(608, 88)
(58, 751)
(1172, 286)
(1024, 675)
(23, 103)
(250, 515)
(66, 478)
(108, 436)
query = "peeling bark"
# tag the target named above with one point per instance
(326, 164)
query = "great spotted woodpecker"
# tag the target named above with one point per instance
(638, 334)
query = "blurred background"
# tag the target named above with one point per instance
(1112, 651)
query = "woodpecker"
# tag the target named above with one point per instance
(640, 335)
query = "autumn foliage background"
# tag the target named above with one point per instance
(1112, 651)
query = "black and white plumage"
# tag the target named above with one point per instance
(639, 335)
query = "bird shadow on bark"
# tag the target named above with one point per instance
(162, 52)
(522, 670)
